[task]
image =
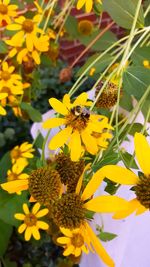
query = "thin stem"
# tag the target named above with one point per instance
(44, 145)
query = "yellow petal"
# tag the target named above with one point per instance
(53, 122)
(142, 152)
(132, 207)
(100, 250)
(80, 3)
(66, 231)
(68, 251)
(81, 100)
(93, 184)
(77, 252)
(42, 225)
(36, 208)
(13, 27)
(21, 55)
(90, 142)
(120, 175)
(63, 240)
(141, 209)
(28, 233)
(60, 139)
(106, 204)
(25, 208)
(36, 233)
(75, 146)
(66, 101)
(88, 6)
(19, 216)
(36, 57)
(29, 42)
(15, 186)
(42, 213)
(2, 111)
(21, 228)
(58, 106)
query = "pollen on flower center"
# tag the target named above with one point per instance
(5, 75)
(143, 191)
(77, 240)
(68, 211)
(28, 26)
(3, 9)
(78, 118)
(30, 219)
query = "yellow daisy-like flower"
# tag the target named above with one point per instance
(79, 126)
(23, 151)
(7, 11)
(88, 4)
(141, 184)
(146, 63)
(74, 213)
(2, 97)
(10, 79)
(23, 54)
(27, 31)
(31, 224)
(17, 181)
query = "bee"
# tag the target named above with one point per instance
(81, 112)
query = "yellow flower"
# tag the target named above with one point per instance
(146, 63)
(85, 27)
(88, 4)
(141, 184)
(20, 152)
(92, 71)
(73, 215)
(7, 11)
(2, 97)
(27, 30)
(16, 180)
(10, 79)
(79, 126)
(41, 45)
(31, 224)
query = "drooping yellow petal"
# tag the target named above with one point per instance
(28, 233)
(93, 185)
(142, 152)
(106, 204)
(120, 175)
(88, 5)
(36, 57)
(75, 146)
(132, 207)
(42, 213)
(80, 4)
(89, 142)
(100, 250)
(58, 106)
(63, 240)
(53, 122)
(60, 139)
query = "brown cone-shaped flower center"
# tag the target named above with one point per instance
(77, 240)
(28, 26)
(30, 219)
(109, 96)
(78, 118)
(68, 211)
(85, 27)
(142, 190)
(5, 75)
(3, 9)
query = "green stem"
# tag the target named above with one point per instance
(43, 147)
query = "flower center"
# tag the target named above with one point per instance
(12, 177)
(15, 153)
(68, 211)
(5, 75)
(143, 191)
(78, 118)
(85, 27)
(77, 240)
(28, 26)
(30, 219)
(3, 9)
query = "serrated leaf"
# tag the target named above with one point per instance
(5, 234)
(106, 236)
(123, 12)
(33, 113)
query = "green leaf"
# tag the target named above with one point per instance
(99, 66)
(102, 43)
(71, 26)
(136, 127)
(112, 158)
(136, 80)
(123, 12)
(5, 234)
(9, 205)
(5, 165)
(3, 47)
(145, 107)
(126, 102)
(140, 54)
(9, 263)
(129, 160)
(33, 113)
(106, 236)
(39, 141)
